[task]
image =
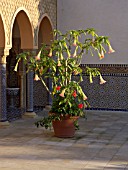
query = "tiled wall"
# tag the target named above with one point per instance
(40, 95)
(113, 95)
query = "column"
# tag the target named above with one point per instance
(22, 91)
(29, 102)
(3, 108)
(49, 104)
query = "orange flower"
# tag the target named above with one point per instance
(36, 77)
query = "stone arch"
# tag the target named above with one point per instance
(44, 35)
(22, 19)
(21, 38)
(45, 28)
(2, 32)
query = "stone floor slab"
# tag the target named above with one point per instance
(100, 144)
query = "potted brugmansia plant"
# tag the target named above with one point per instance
(60, 63)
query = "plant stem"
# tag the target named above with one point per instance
(66, 72)
(45, 85)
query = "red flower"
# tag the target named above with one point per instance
(74, 93)
(80, 106)
(58, 88)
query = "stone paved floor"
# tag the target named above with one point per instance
(100, 144)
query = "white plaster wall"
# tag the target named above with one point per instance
(108, 17)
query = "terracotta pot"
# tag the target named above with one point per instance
(64, 128)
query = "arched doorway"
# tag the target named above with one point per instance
(22, 39)
(45, 36)
(45, 32)
(3, 113)
(2, 34)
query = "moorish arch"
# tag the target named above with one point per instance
(22, 20)
(21, 38)
(45, 31)
(45, 35)
(2, 33)
(3, 115)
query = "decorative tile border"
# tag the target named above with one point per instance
(109, 68)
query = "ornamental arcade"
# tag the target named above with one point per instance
(24, 25)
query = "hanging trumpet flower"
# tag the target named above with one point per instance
(90, 77)
(69, 55)
(102, 81)
(75, 41)
(61, 56)
(59, 63)
(62, 93)
(75, 52)
(38, 56)
(50, 53)
(110, 49)
(41, 70)
(36, 77)
(102, 55)
(16, 66)
(67, 50)
(84, 97)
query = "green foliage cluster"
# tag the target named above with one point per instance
(59, 62)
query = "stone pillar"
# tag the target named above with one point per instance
(22, 91)
(29, 102)
(22, 77)
(3, 108)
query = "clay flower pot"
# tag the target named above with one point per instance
(64, 128)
